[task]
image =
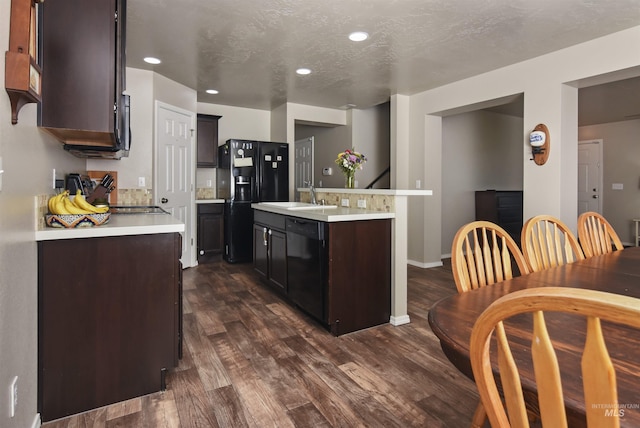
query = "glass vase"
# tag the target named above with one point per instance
(350, 181)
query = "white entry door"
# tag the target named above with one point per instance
(590, 176)
(303, 164)
(173, 187)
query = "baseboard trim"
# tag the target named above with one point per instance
(396, 321)
(36, 421)
(424, 265)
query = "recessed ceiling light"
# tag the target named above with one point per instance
(152, 60)
(303, 71)
(211, 91)
(358, 36)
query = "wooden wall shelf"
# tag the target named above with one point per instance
(22, 72)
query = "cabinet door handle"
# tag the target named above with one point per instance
(264, 236)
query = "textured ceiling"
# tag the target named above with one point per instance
(249, 49)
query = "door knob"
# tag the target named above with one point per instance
(595, 196)
(164, 200)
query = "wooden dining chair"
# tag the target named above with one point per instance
(547, 242)
(596, 235)
(598, 373)
(481, 255)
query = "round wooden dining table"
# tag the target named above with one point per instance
(452, 319)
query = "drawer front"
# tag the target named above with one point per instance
(210, 208)
(509, 199)
(510, 215)
(272, 220)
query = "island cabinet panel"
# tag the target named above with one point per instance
(261, 250)
(359, 275)
(109, 319)
(278, 258)
(270, 249)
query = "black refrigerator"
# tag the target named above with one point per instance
(248, 172)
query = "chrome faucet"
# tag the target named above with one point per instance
(312, 192)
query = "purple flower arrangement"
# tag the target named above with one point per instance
(350, 160)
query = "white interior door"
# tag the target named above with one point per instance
(590, 176)
(303, 164)
(174, 178)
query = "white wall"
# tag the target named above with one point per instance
(285, 118)
(328, 142)
(621, 164)
(238, 122)
(371, 135)
(173, 93)
(481, 150)
(367, 131)
(550, 97)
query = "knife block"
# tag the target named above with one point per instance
(100, 191)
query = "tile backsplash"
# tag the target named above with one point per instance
(135, 196)
(205, 193)
(41, 210)
(382, 203)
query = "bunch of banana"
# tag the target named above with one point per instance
(62, 204)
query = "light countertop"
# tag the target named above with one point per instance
(209, 201)
(118, 225)
(388, 192)
(326, 214)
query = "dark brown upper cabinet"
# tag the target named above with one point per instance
(207, 141)
(83, 73)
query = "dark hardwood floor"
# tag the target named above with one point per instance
(251, 360)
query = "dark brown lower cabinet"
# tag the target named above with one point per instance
(109, 320)
(270, 249)
(210, 232)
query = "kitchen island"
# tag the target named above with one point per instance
(394, 201)
(389, 204)
(332, 263)
(109, 311)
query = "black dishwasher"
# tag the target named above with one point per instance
(306, 259)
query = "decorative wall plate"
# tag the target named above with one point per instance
(541, 154)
